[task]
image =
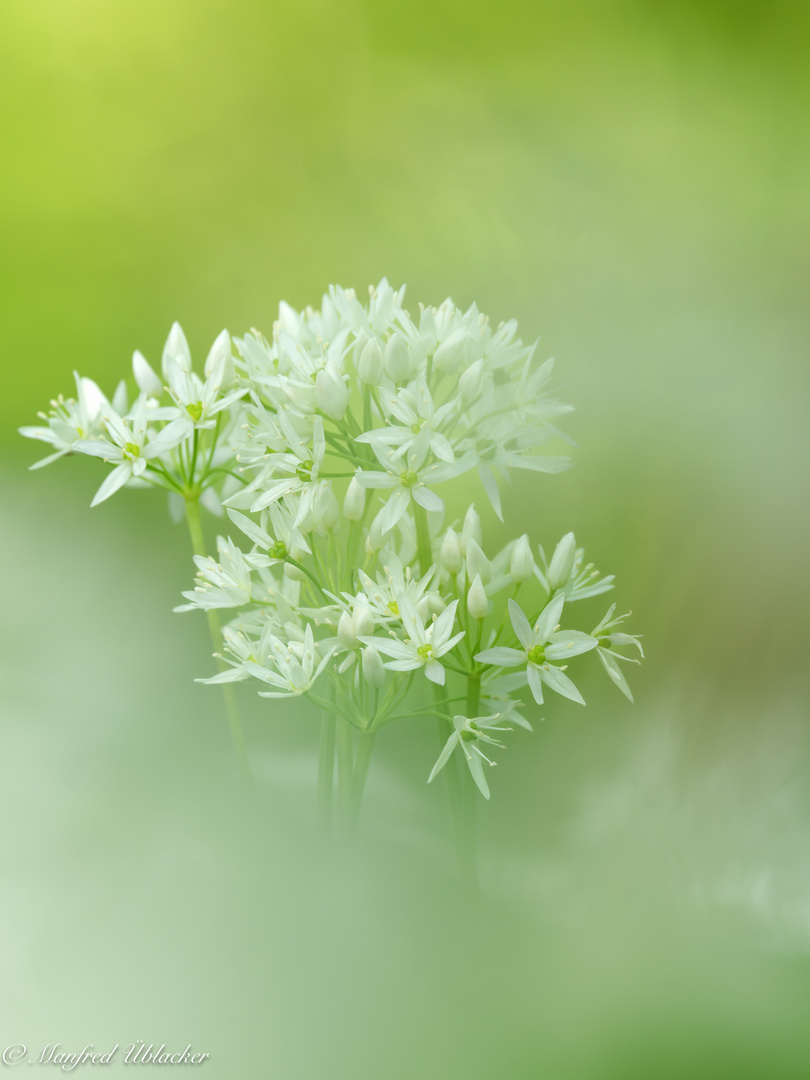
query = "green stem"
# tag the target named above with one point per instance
(345, 775)
(365, 748)
(231, 708)
(452, 780)
(467, 853)
(326, 773)
(424, 551)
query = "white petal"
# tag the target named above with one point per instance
(501, 656)
(549, 618)
(560, 682)
(521, 625)
(115, 480)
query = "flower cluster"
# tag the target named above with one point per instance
(328, 445)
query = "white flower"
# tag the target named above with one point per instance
(302, 462)
(419, 422)
(225, 583)
(382, 595)
(409, 476)
(540, 644)
(198, 402)
(129, 446)
(609, 639)
(583, 580)
(70, 421)
(295, 666)
(467, 734)
(424, 646)
(286, 536)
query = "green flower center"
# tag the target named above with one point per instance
(393, 607)
(278, 550)
(537, 655)
(408, 479)
(424, 652)
(304, 471)
(417, 427)
(132, 450)
(486, 449)
(469, 736)
(195, 410)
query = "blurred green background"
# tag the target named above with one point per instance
(630, 180)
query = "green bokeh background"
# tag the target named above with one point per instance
(630, 180)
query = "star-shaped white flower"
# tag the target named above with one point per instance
(542, 643)
(467, 734)
(424, 646)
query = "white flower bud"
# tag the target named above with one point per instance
(354, 503)
(450, 555)
(331, 393)
(477, 603)
(345, 631)
(360, 342)
(471, 529)
(220, 354)
(449, 354)
(397, 361)
(562, 562)
(146, 379)
(521, 560)
(370, 368)
(471, 381)
(325, 512)
(376, 537)
(373, 669)
(435, 604)
(478, 565)
(362, 619)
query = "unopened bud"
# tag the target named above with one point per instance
(325, 512)
(373, 670)
(470, 383)
(146, 379)
(450, 554)
(477, 603)
(370, 368)
(376, 537)
(449, 354)
(331, 393)
(521, 561)
(345, 632)
(363, 620)
(354, 504)
(562, 562)
(219, 359)
(397, 360)
(471, 529)
(478, 565)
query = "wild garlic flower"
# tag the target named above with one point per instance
(609, 641)
(424, 645)
(331, 440)
(468, 735)
(127, 443)
(542, 643)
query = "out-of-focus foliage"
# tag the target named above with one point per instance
(628, 179)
